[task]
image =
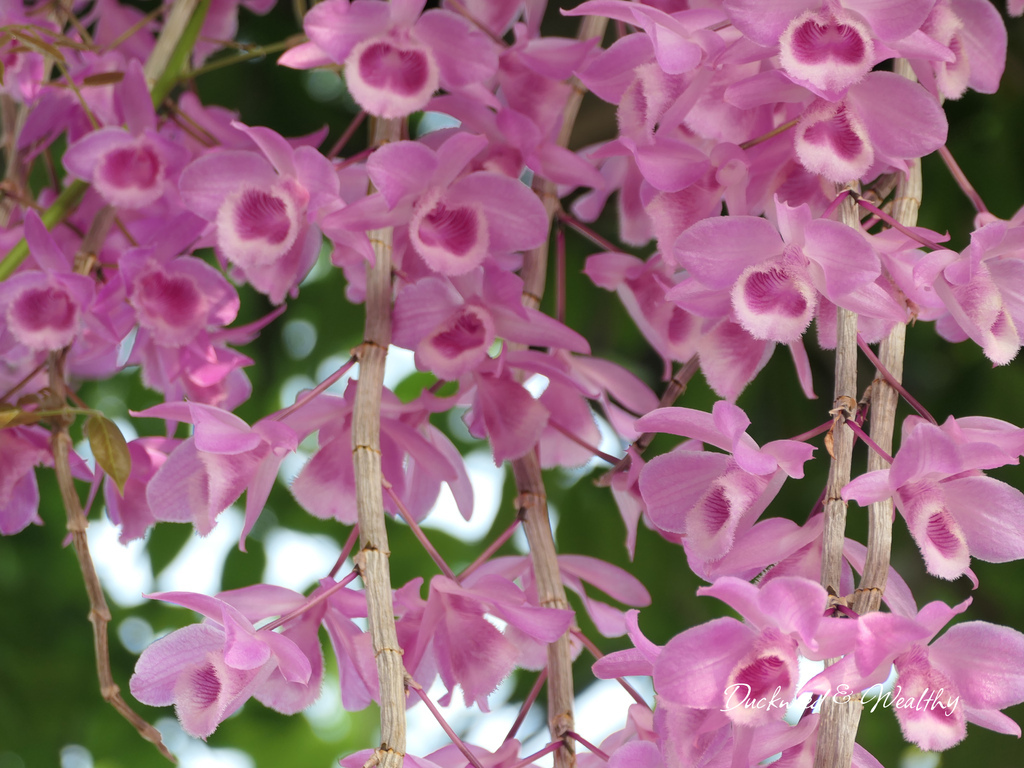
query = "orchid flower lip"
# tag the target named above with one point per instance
(131, 176)
(452, 239)
(829, 51)
(391, 78)
(258, 226)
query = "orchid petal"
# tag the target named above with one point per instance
(984, 661)
(693, 668)
(828, 50)
(513, 420)
(160, 665)
(902, 118)
(336, 27)
(764, 24)
(774, 301)
(207, 181)
(937, 532)
(717, 250)
(209, 691)
(990, 514)
(610, 579)
(473, 60)
(515, 215)
(687, 422)
(727, 503)
(274, 146)
(671, 484)
(730, 358)
(401, 169)
(767, 673)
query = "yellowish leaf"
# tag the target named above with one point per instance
(8, 414)
(110, 449)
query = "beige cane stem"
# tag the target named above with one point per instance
(372, 559)
(532, 500)
(840, 717)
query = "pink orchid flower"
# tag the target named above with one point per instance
(22, 449)
(224, 457)
(263, 207)
(416, 458)
(713, 497)
(455, 219)
(395, 56)
(209, 670)
(134, 167)
(952, 509)
(467, 648)
(967, 675)
(725, 663)
(45, 309)
(451, 324)
(773, 277)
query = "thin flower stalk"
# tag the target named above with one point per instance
(318, 390)
(346, 135)
(961, 180)
(421, 537)
(492, 548)
(350, 542)
(547, 750)
(892, 380)
(319, 598)
(560, 273)
(524, 710)
(769, 135)
(868, 441)
(836, 202)
(142, 23)
(418, 690)
(895, 223)
(594, 749)
(586, 231)
(812, 433)
(596, 653)
(675, 389)
(249, 53)
(584, 444)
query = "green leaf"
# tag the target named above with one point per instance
(110, 449)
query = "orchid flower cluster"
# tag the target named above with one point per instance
(746, 133)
